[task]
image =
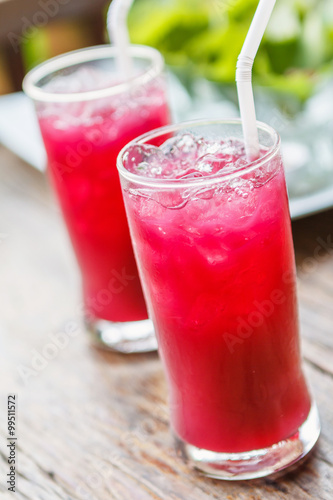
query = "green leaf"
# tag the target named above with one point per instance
(204, 37)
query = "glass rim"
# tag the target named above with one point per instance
(88, 54)
(208, 180)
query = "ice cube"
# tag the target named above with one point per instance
(186, 157)
(230, 147)
(205, 166)
(83, 79)
(189, 173)
(146, 160)
(212, 164)
(182, 147)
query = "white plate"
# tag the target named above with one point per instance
(19, 129)
(311, 203)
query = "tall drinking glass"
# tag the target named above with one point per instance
(87, 113)
(212, 237)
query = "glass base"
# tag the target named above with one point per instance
(128, 337)
(256, 463)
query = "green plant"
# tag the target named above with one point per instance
(205, 38)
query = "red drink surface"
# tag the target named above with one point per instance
(82, 142)
(219, 278)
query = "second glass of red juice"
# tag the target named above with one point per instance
(212, 236)
(87, 112)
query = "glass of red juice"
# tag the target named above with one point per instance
(212, 236)
(87, 112)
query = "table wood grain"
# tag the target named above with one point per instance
(94, 425)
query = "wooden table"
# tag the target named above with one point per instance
(94, 425)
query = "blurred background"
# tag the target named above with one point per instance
(200, 40)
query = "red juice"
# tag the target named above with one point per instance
(83, 140)
(218, 271)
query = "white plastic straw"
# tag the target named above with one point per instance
(118, 34)
(244, 77)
